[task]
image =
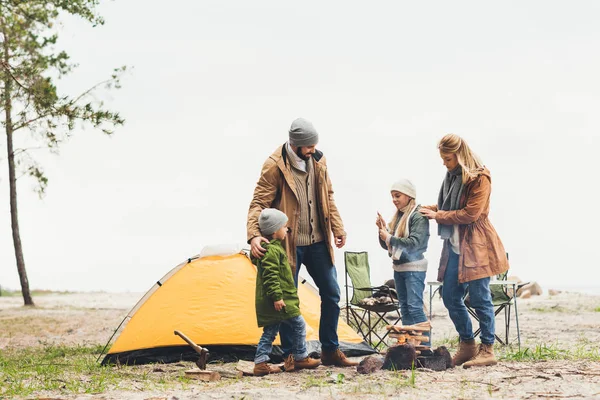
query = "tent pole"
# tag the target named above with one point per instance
(113, 335)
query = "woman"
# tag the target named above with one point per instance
(472, 251)
(406, 239)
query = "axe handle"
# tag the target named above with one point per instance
(198, 349)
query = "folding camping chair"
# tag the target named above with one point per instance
(502, 299)
(357, 268)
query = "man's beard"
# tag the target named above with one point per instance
(302, 156)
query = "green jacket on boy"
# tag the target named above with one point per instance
(274, 281)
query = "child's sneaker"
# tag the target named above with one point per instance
(263, 368)
(307, 363)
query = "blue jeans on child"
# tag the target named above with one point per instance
(480, 298)
(410, 286)
(297, 329)
(317, 260)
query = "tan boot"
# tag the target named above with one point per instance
(263, 368)
(307, 363)
(336, 358)
(466, 350)
(484, 357)
(288, 365)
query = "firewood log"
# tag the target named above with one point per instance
(407, 328)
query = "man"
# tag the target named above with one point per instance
(294, 180)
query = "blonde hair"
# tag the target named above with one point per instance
(467, 159)
(401, 227)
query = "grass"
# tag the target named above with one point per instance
(543, 352)
(556, 308)
(74, 370)
(451, 342)
(597, 309)
(314, 381)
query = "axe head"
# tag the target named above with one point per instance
(201, 361)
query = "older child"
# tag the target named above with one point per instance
(406, 240)
(277, 299)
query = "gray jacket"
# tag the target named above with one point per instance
(415, 245)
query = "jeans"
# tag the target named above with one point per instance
(410, 286)
(480, 298)
(318, 263)
(296, 327)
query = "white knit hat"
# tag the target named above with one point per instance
(271, 220)
(405, 186)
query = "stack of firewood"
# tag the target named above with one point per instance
(411, 334)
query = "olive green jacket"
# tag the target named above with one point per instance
(274, 281)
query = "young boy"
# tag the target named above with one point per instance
(277, 299)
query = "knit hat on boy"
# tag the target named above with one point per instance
(271, 220)
(405, 186)
(303, 133)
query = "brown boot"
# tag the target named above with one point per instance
(263, 368)
(288, 365)
(336, 358)
(484, 357)
(466, 350)
(307, 363)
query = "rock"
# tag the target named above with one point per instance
(554, 292)
(534, 289)
(442, 351)
(439, 360)
(525, 294)
(370, 364)
(402, 356)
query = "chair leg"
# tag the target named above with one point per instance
(517, 319)
(478, 331)
(373, 328)
(507, 321)
(366, 324)
(370, 329)
(360, 323)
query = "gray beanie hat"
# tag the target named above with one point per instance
(405, 186)
(271, 220)
(303, 133)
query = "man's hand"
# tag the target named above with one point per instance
(428, 213)
(255, 248)
(279, 304)
(384, 234)
(340, 241)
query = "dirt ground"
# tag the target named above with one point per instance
(569, 321)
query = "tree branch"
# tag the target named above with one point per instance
(16, 152)
(7, 68)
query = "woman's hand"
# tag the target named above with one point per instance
(428, 213)
(384, 234)
(279, 304)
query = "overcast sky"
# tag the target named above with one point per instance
(216, 84)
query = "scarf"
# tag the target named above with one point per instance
(296, 161)
(402, 224)
(449, 198)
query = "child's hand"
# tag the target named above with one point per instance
(384, 234)
(380, 222)
(279, 304)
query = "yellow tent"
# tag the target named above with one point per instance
(211, 300)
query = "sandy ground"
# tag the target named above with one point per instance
(567, 321)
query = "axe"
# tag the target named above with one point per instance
(202, 352)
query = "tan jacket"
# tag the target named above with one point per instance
(276, 189)
(482, 254)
